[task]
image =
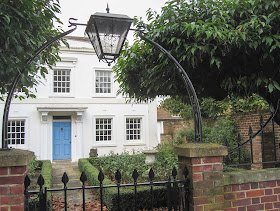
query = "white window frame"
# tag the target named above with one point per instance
(142, 132)
(25, 145)
(95, 94)
(113, 128)
(55, 94)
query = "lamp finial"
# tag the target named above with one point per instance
(107, 9)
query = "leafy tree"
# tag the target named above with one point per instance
(213, 108)
(24, 26)
(225, 46)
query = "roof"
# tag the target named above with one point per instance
(163, 114)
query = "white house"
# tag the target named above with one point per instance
(77, 109)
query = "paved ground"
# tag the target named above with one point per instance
(74, 197)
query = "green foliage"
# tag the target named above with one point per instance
(224, 129)
(225, 46)
(33, 166)
(165, 161)
(45, 167)
(24, 26)
(124, 162)
(126, 195)
(232, 105)
(176, 106)
(213, 108)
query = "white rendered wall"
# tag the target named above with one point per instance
(83, 105)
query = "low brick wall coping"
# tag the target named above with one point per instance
(249, 176)
(195, 150)
(15, 157)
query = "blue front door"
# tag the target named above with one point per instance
(61, 140)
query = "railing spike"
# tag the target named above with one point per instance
(185, 172)
(26, 182)
(135, 175)
(261, 121)
(65, 178)
(272, 109)
(83, 177)
(118, 176)
(174, 172)
(238, 139)
(151, 174)
(100, 176)
(41, 181)
(250, 133)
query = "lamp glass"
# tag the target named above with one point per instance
(107, 33)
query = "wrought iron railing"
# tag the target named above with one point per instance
(265, 145)
(177, 191)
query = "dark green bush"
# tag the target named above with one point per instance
(124, 162)
(223, 129)
(33, 166)
(126, 194)
(46, 170)
(165, 161)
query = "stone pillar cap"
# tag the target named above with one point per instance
(15, 157)
(196, 150)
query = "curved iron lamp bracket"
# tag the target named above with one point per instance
(20, 73)
(188, 85)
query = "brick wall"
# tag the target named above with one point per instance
(13, 169)
(252, 190)
(253, 196)
(211, 189)
(12, 188)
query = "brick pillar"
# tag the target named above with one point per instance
(204, 162)
(257, 153)
(13, 168)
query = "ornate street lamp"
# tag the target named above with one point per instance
(107, 33)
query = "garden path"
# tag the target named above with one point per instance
(74, 197)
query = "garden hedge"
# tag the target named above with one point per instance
(110, 196)
(46, 171)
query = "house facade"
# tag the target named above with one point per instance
(77, 108)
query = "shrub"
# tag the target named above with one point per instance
(124, 162)
(110, 195)
(165, 161)
(224, 129)
(33, 166)
(46, 170)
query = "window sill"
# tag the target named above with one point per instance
(104, 145)
(104, 96)
(61, 96)
(134, 144)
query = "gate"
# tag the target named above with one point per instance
(176, 191)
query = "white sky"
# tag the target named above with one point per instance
(82, 9)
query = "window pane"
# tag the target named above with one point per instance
(103, 129)
(61, 81)
(16, 132)
(133, 129)
(103, 82)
